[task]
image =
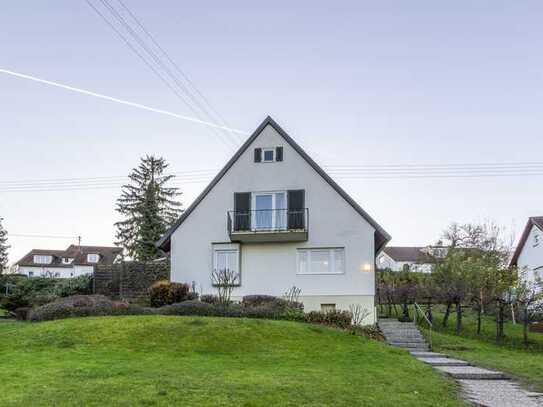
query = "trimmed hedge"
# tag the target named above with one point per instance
(340, 319)
(36, 291)
(99, 305)
(84, 306)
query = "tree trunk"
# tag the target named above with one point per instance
(482, 301)
(458, 318)
(499, 322)
(447, 313)
(526, 323)
(479, 313)
(514, 320)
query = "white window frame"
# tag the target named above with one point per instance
(67, 260)
(272, 149)
(218, 248)
(93, 261)
(273, 209)
(331, 261)
(42, 259)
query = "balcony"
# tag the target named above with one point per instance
(268, 225)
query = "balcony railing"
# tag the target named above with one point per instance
(268, 224)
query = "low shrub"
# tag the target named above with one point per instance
(191, 296)
(336, 318)
(80, 285)
(209, 298)
(260, 299)
(83, 306)
(187, 308)
(21, 314)
(164, 292)
(271, 301)
(25, 292)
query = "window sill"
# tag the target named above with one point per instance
(320, 274)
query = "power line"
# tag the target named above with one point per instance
(174, 64)
(121, 101)
(154, 57)
(42, 236)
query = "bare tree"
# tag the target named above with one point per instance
(225, 280)
(359, 314)
(529, 297)
(292, 295)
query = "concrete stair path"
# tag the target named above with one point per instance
(482, 387)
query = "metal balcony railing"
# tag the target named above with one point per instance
(268, 220)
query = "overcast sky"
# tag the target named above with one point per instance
(355, 83)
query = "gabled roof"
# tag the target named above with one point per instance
(108, 254)
(406, 253)
(536, 221)
(381, 236)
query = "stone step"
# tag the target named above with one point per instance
(418, 348)
(399, 335)
(396, 323)
(428, 355)
(414, 333)
(407, 343)
(443, 361)
(471, 373)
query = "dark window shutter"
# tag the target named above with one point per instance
(258, 155)
(278, 153)
(296, 209)
(242, 211)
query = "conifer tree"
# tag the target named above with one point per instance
(3, 247)
(149, 208)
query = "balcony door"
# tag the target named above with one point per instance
(270, 210)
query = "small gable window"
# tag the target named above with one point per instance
(92, 258)
(268, 154)
(67, 260)
(536, 239)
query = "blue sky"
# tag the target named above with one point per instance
(354, 83)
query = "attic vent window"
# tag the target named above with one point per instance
(92, 258)
(268, 154)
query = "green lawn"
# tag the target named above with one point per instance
(158, 360)
(511, 357)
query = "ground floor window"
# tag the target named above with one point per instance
(321, 261)
(328, 307)
(226, 264)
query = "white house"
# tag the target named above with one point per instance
(72, 262)
(528, 254)
(418, 259)
(276, 218)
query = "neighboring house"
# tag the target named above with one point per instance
(276, 219)
(420, 259)
(528, 254)
(72, 262)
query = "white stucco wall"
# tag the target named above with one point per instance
(270, 268)
(393, 265)
(531, 256)
(63, 272)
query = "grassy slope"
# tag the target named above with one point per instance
(206, 361)
(512, 357)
